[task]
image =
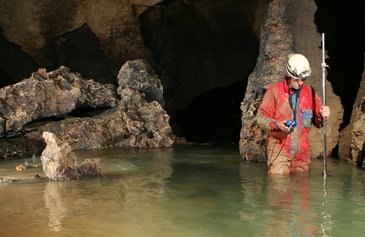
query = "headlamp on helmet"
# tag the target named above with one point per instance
(298, 66)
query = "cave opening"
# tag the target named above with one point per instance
(214, 116)
(204, 52)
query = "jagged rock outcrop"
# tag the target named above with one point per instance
(122, 118)
(139, 75)
(358, 136)
(351, 145)
(355, 145)
(59, 162)
(51, 95)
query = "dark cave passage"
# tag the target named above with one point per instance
(344, 26)
(213, 117)
(14, 63)
(204, 63)
(81, 52)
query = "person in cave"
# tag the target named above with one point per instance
(287, 111)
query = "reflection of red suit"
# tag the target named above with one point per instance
(292, 196)
(287, 152)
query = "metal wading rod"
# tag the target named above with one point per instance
(326, 217)
(324, 65)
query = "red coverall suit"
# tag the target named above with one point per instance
(288, 152)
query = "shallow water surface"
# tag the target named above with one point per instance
(196, 191)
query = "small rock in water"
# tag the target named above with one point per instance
(20, 167)
(5, 180)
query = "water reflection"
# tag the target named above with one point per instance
(187, 191)
(131, 190)
(54, 195)
(282, 205)
(292, 194)
(253, 185)
(134, 188)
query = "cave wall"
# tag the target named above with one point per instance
(198, 48)
(38, 28)
(307, 40)
(276, 43)
(353, 136)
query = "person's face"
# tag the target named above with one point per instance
(296, 83)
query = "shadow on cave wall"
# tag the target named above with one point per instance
(15, 65)
(81, 52)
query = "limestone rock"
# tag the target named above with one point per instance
(51, 95)
(90, 167)
(358, 136)
(85, 114)
(277, 43)
(347, 149)
(58, 160)
(140, 76)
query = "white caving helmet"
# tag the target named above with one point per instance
(298, 66)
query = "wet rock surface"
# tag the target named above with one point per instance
(59, 162)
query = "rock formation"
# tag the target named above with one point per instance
(51, 95)
(59, 162)
(358, 136)
(352, 139)
(83, 113)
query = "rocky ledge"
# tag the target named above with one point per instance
(84, 113)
